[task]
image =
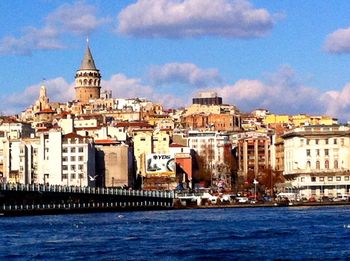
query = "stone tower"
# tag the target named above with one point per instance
(87, 79)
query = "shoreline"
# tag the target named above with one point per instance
(41, 212)
(267, 205)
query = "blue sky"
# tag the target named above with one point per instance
(276, 55)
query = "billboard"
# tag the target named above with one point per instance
(160, 164)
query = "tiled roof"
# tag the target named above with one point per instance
(72, 135)
(176, 145)
(106, 141)
(134, 124)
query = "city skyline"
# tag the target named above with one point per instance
(255, 54)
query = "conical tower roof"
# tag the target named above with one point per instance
(88, 62)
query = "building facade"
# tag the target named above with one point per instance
(316, 161)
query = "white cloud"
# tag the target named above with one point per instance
(77, 18)
(57, 90)
(280, 92)
(192, 18)
(124, 87)
(338, 102)
(184, 73)
(338, 42)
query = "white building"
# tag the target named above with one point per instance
(53, 158)
(317, 160)
(211, 145)
(20, 160)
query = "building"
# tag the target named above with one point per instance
(211, 147)
(20, 160)
(253, 154)
(316, 160)
(87, 79)
(207, 98)
(114, 164)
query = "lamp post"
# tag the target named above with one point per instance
(255, 183)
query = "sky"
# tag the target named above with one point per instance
(277, 55)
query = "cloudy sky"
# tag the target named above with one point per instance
(276, 55)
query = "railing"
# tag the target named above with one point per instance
(86, 190)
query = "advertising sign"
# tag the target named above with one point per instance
(160, 164)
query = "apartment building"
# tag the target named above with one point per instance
(253, 153)
(20, 160)
(316, 160)
(211, 146)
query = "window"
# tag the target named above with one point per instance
(72, 176)
(342, 141)
(308, 164)
(326, 141)
(72, 167)
(65, 167)
(330, 178)
(302, 179)
(65, 158)
(308, 153)
(72, 150)
(142, 139)
(338, 178)
(316, 141)
(81, 158)
(335, 141)
(72, 158)
(318, 152)
(335, 164)
(326, 164)
(326, 152)
(81, 149)
(321, 178)
(307, 142)
(313, 179)
(317, 164)
(64, 176)
(65, 150)
(81, 167)
(346, 178)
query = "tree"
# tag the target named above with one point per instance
(201, 169)
(268, 178)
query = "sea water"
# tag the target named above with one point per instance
(294, 233)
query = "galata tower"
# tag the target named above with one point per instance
(87, 79)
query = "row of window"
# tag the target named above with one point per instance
(326, 164)
(72, 167)
(317, 152)
(73, 149)
(72, 176)
(322, 141)
(321, 179)
(73, 158)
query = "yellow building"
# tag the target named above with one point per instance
(275, 118)
(161, 141)
(142, 146)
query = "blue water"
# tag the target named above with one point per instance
(207, 234)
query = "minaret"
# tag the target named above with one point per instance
(87, 79)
